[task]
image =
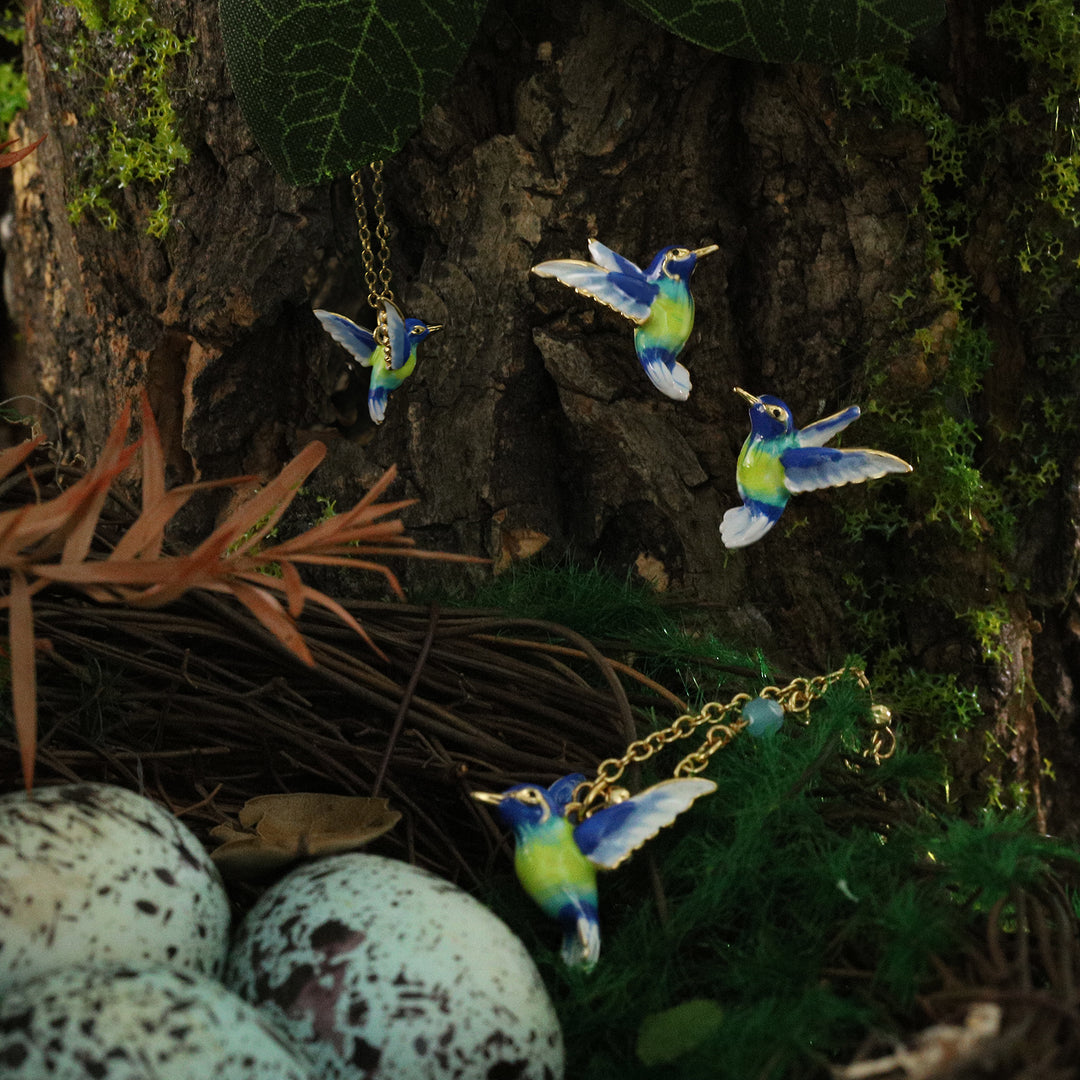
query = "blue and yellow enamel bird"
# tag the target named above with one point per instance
(390, 365)
(657, 299)
(779, 460)
(556, 860)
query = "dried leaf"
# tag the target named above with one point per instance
(115, 457)
(518, 544)
(45, 527)
(243, 854)
(268, 503)
(345, 616)
(23, 674)
(153, 459)
(12, 157)
(653, 571)
(146, 536)
(14, 456)
(938, 1052)
(293, 588)
(266, 608)
(278, 829)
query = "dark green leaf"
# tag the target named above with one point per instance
(666, 1036)
(783, 31)
(329, 85)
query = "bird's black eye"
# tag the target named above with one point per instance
(777, 413)
(680, 254)
(417, 330)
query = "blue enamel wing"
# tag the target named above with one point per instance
(556, 861)
(390, 366)
(778, 460)
(658, 300)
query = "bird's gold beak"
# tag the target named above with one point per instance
(434, 327)
(702, 252)
(748, 398)
(487, 796)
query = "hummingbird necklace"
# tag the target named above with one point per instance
(779, 460)
(657, 300)
(565, 833)
(389, 351)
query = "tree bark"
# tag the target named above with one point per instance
(529, 416)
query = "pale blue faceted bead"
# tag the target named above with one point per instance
(763, 716)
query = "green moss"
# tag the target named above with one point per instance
(950, 502)
(907, 99)
(1045, 35)
(13, 93)
(937, 430)
(125, 59)
(920, 693)
(977, 477)
(988, 625)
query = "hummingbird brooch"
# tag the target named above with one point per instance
(658, 300)
(779, 460)
(556, 860)
(391, 363)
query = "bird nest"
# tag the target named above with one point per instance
(201, 707)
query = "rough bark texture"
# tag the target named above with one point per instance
(530, 414)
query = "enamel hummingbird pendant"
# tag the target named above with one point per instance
(391, 362)
(658, 300)
(556, 860)
(778, 460)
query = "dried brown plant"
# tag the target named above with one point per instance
(11, 157)
(50, 543)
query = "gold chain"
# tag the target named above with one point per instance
(726, 722)
(377, 280)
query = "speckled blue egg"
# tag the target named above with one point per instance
(122, 1024)
(95, 874)
(376, 968)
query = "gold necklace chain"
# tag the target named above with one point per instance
(377, 280)
(727, 722)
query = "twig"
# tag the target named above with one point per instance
(406, 701)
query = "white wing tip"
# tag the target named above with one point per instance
(593, 242)
(742, 526)
(552, 268)
(377, 408)
(581, 946)
(673, 382)
(890, 463)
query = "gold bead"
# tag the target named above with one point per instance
(881, 714)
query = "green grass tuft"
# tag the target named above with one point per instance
(672, 645)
